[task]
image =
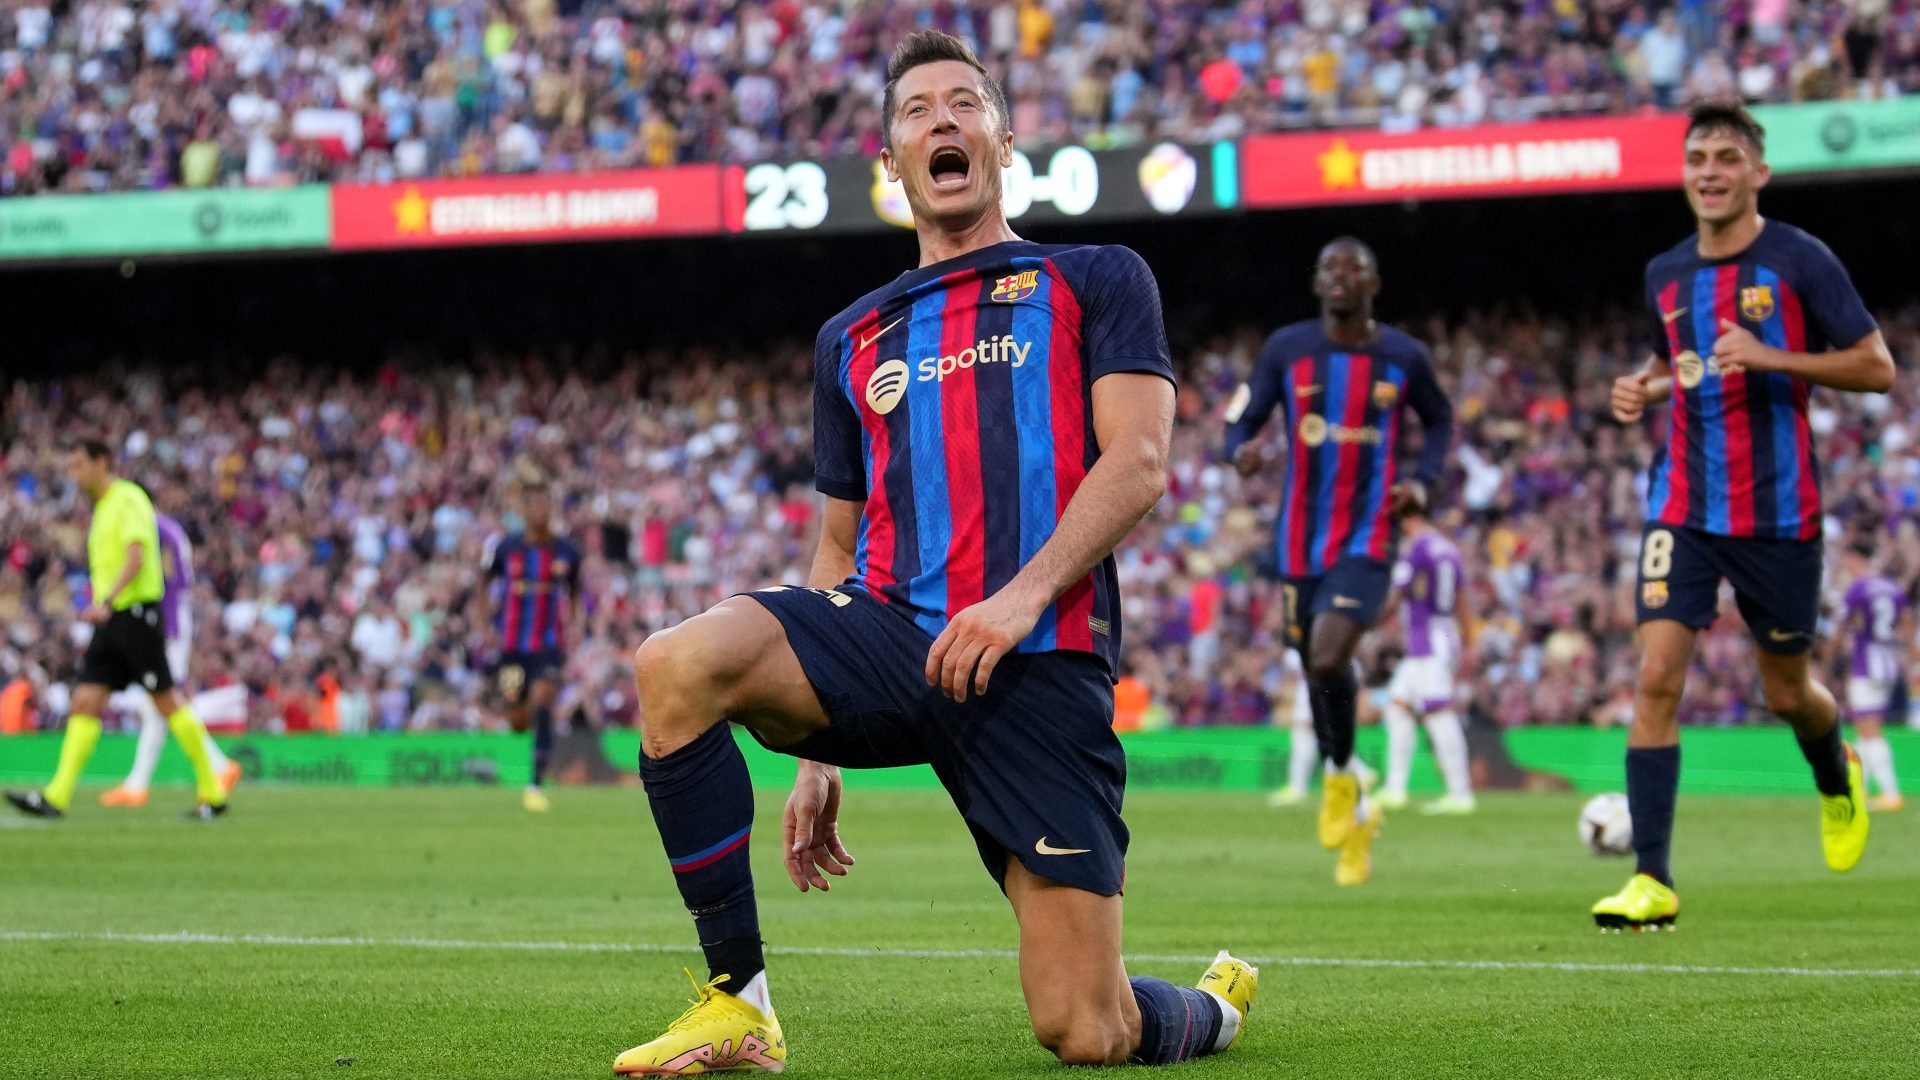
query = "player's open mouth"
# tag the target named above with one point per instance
(1712, 194)
(948, 166)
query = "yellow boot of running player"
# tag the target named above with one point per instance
(720, 1033)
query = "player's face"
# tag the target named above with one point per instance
(538, 508)
(1345, 280)
(1723, 173)
(948, 145)
(87, 472)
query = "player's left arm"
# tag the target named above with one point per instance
(102, 606)
(1430, 404)
(1133, 421)
(1864, 367)
(1831, 303)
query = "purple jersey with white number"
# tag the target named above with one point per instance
(176, 576)
(1430, 571)
(1874, 606)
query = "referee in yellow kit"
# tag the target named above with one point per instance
(129, 645)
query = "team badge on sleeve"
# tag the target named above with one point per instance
(1756, 302)
(1015, 287)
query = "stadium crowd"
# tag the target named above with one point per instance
(342, 521)
(118, 95)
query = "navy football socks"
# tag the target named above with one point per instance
(1335, 702)
(542, 743)
(1176, 1022)
(1653, 785)
(702, 801)
(1828, 756)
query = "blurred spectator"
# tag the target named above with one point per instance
(109, 95)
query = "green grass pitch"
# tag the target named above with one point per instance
(412, 933)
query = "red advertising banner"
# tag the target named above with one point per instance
(679, 201)
(1605, 154)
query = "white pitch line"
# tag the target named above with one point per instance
(192, 938)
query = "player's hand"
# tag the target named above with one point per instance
(971, 646)
(95, 614)
(1736, 348)
(1630, 396)
(1249, 459)
(1469, 660)
(810, 828)
(1406, 496)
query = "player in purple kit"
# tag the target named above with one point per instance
(1344, 382)
(1880, 616)
(1430, 580)
(987, 427)
(1748, 316)
(176, 622)
(537, 597)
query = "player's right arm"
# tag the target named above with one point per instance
(1252, 404)
(1651, 385)
(833, 558)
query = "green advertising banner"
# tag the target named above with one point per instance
(165, 222)
(1828, 136)
(1743, 761)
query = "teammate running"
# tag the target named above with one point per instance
(1344, 381)
(987, 428)
(1748, 316)
(538, 598)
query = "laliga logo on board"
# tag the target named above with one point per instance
(890, 199)
(886, 386)
(1168, 175)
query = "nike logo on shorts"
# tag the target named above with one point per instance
(1041, 847)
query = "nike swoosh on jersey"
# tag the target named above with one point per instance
(1346, 601)
(875, 336)
(1041, 847)
(1669, 316)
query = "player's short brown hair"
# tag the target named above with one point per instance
(1730, 117)
(931, 47)
(95, 449)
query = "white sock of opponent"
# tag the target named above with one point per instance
(153, 739)
(1403, 736)
(1449, 738)
(1303, 753)
(1876, 757)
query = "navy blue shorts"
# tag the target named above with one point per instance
(1775, 582)
(1033, 766)
(518, 671)
(1355, 587)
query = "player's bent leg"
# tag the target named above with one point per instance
(1083, 1007)
(76, 746)
(1794, 696)
(211, 797)
(733, 662)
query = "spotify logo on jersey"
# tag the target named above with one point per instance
(886, 386)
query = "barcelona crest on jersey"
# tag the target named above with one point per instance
(1015, 287)
(1756, 302)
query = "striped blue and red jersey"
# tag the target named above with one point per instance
(1343, 409)
(536, 584)
(956, 405)
(1739, 458)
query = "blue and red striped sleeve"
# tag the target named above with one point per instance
(839, 464)
(1264, 392)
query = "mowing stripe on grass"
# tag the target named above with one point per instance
(191, 938)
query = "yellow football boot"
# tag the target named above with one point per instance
(720, 1033)
(1355, 864)
(534, 801)
(1644, 904)
(1235, 981)
(1843, 819)
(1339, 796)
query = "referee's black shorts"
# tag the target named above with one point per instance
(129, 649)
